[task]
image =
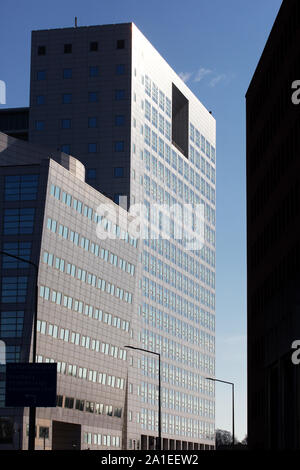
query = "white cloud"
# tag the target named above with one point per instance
(202, 72)
(214, 81)
(185, 76)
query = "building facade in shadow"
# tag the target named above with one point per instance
(273, 241)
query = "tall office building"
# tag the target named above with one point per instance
(106, 96)
(273, 237)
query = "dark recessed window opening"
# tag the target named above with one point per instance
(93, 46)
(120, 43)
(41, 50)
(67, 48)
(180, 121)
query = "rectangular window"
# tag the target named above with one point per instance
(120, 69)
(118, 172)
(21, 188)
(11, 324)
(67, 48)
(40, 99)
(18, 221)
(92, 122)
(66, 123)
(92, 148)
(67, 98)
(41, 75)
(119, 146)
(120, 43)
(93, 97)
(93, 71)
(40, 125)
(67, 73)
(93, 46)
(66, 148)
(21, 249)
(41, 50)
(14, 289)
(119, 120)
(119, 95)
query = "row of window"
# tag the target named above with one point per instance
(177, 351)
(88, 406)
(105, 440)
(169, 299)
(175, 375)
(175, 400)
(158, 96)
(78, 339)
(75, 271)
(187, 193)
(86, 374)
(175, 254)
(166, 322)
(176, 425)
(93, 71)
(116, 232)
(175, 278)
(177, 328)
(81, 307)
(68, 48)
(202, 143)
(93, 280)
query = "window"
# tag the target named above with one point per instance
(93, 71)
(18, 221)
(22, 249)
(67, 48)
(66, 123)
(120, 120)
(91, 174)
(11, 324)
(41, 50)
(21, 188)
(120, 43)
(41, 75)
(92, 148)
(67, 98)
(79, 405)
(66, 148)
(44, 432)
(119, 146)
(118, 172)
(120, 69)
(40, 99)
(14, 289)
(92, 122)
(69, 402)
(40, 125)
(119, 95)
(93, 96)
(93, 46)
(67, 73)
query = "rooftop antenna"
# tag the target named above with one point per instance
(75, 21)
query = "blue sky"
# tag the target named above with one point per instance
(215, 45)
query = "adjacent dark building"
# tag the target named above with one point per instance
(273, 238)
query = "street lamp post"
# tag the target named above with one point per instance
(32, 410)
(232, 387)
(159, 391)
